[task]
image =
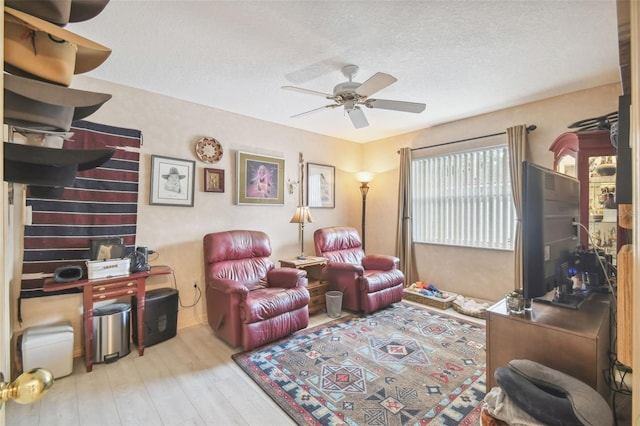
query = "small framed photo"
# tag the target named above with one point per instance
(321, 185)
(213, 180)
(172, 181)
(106, 248)
(260, 179)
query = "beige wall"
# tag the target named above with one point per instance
(170, 128)
(481, 274)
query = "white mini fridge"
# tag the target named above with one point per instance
(50, 347)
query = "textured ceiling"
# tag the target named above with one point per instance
(461, 58)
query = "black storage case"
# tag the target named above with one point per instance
(160, 316)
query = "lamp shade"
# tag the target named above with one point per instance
(301, 215)
(364, 177)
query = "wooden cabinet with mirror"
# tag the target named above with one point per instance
(590, 157)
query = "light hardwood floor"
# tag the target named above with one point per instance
(187, 380)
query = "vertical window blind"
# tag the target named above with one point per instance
(464, 199)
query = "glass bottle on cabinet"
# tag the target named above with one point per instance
(590, 157)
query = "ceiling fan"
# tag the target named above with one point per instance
(352, 95)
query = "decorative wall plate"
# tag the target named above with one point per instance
(209, 150)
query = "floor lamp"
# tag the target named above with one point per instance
(364, 178)
(301, 216)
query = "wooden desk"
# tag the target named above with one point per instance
(107, 289)
(316, 287)
(575, 342)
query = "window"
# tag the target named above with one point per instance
(464, 199)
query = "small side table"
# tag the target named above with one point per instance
(316, 287)
(106, 289)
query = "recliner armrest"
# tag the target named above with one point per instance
(380, 262)
(286, 278)
(344, 267)
(227, 286)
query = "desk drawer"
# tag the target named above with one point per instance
(119, 292)
(114, 286)
(114, 290)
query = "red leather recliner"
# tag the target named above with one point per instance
(367, 282)
(249, 301)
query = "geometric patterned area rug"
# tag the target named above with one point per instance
(404, 365)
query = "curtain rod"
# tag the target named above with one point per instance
(530, 128)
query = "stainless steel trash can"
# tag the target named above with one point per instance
(111, 332)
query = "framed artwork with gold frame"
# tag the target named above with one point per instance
(213, 180)
(260, 179)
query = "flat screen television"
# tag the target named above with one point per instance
(550, 207)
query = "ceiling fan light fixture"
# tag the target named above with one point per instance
(349, 106)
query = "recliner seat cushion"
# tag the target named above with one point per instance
(379, 280)
(380, 299)
(262, 304)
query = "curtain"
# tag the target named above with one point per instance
(517, 143)
(102, 203)
(404, 243)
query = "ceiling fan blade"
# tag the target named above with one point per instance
(307, 91)
(315, 110)
(357, 118)
(395, 105)
(376, 83)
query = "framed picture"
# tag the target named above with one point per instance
(172, 181)
(106, 248)
(321, 185)
(260, 179)
(213, 180)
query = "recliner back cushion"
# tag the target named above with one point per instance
(339, 244)
(238, 255)
(234, 245)
(246, 271)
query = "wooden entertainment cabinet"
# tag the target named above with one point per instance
(575, 342)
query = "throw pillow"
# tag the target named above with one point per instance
(549, 407)
(587, 404)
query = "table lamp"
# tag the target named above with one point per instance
(301, 215)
